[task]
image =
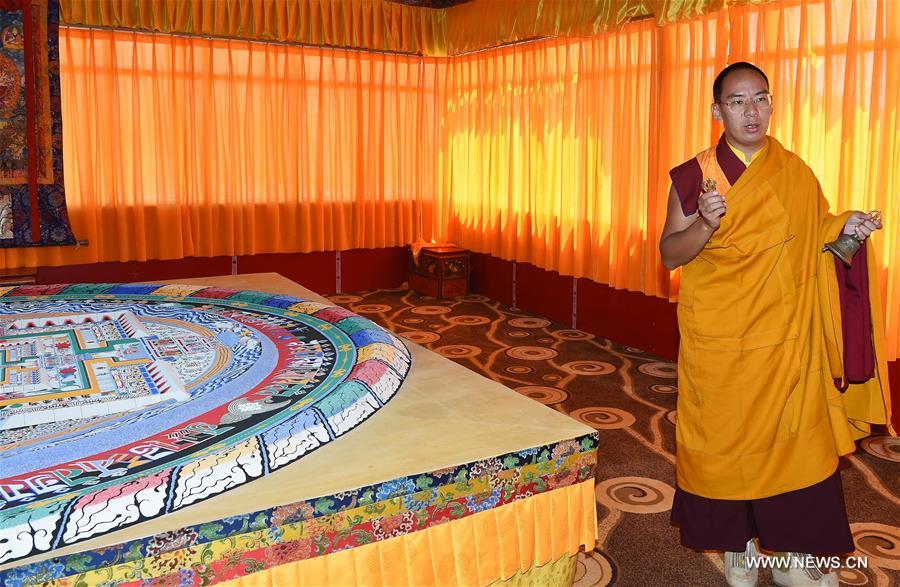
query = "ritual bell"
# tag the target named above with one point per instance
(847, 245)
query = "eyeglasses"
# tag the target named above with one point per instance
(738, 105)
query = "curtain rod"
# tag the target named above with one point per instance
(303, 45)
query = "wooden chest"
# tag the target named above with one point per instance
(442, 272)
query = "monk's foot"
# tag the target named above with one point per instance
(741, 568)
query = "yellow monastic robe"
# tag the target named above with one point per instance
(758, 412)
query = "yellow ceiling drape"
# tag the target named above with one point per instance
(379, 25)
(382, 25)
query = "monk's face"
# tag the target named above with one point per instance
(745, 125)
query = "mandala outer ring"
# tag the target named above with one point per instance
(257, 453)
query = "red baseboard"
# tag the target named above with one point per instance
(544, 292)
(361, 269)
(894, 379)
(365, 269)
(315, 271)
(628, 317)
(132, 271)
(492, 277)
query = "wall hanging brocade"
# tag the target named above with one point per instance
(32, 196)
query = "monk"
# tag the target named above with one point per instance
(774, 382)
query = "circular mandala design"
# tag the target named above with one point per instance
(852, 577)
(879, 542)
(551, 377)
(371, 308)
(543, 394)
(531, 353)
(528, 322)
(661, 388)
(518, 334)
(413, 320)
(635, 495)
(662, 369)
(239, 372)
(431, 310)
(468, 320)
(458, 351)
(546, 340)
(571, 334)
(475, 298)
(883, 447)
(519, 369)
(421, 336)
(604, 418)
(594, 569)
(344, 299)
(588, 368)
(672, 417)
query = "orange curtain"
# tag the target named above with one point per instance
(180, 147)
(547, 154)
(556, 153)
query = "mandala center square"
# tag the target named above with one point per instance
(57, 367)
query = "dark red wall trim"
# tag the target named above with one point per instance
(315, 271)
(544, 292)
(363, 269)
(894, 380)
(492, 277)
(628, 317)
(136, 270)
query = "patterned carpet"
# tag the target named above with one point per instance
(630, 397)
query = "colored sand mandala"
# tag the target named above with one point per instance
(121, 403)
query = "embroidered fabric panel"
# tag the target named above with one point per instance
(32, 195)
(218, 551)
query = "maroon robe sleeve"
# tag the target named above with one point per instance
(686, 179)
(856, 320)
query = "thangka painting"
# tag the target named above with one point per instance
(32, 197)
(122, 403)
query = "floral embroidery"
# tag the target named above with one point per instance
(393, 526)
(294, 512)
(173, 540)
(239, 545)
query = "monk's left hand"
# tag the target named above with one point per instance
(861, 225)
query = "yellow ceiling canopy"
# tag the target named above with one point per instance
(436, 28)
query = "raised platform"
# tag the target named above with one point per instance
(455, 468)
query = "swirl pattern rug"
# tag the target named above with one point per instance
(629, 397)
(124, 402)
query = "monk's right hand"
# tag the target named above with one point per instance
(712, 208)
